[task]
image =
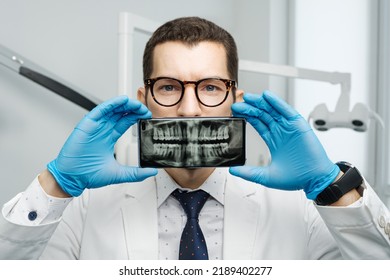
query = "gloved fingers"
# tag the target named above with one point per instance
(268, 115)
(125, 122)
(254, 116)
(131, 110)
(284, 115)
(132, 107)
(254, 174)
(281, 106)
(117, 106)
(262, 104)
(272, 104)
(116, 114)
(107, 108)
(249, 110)
(133, 174)
(261, 128)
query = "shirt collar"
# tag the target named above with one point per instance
(214, 185)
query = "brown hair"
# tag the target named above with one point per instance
(191, 31)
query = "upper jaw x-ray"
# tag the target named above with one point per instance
(191, 142)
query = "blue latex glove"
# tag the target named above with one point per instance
(87, 158)
(298, 160)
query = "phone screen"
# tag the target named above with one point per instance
(191, 142)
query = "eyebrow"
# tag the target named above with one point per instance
(205, 77)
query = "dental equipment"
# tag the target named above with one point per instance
(323, 119)
(15, 62)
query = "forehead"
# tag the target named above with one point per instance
(178, 60)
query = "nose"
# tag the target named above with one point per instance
(189, 105)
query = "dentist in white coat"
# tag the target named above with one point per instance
(86, 205)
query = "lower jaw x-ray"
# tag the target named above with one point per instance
(191, 142)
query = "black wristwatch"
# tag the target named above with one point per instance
(350, 180)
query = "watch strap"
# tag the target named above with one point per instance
(351, 179)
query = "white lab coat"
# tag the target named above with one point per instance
(120, 222)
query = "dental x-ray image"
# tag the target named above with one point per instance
(191, 142)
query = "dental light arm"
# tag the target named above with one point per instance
(356, 119)
(33, 72)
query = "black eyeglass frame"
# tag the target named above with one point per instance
(230, 84)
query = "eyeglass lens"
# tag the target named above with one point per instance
(210, 91)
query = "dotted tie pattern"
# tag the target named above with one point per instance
(192, 242)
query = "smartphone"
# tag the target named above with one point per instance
(191, 142)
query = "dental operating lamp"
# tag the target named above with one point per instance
(15, 62)
(323, 119)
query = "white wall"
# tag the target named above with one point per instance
(383, 136)
(77, 40)
(333, 35)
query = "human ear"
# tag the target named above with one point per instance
(239, 95)
(141, 95)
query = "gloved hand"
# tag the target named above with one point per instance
(87, 158)
(298, 160)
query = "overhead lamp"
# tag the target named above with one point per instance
(322, 118)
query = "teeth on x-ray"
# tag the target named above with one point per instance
(177, 142)
(192, 143)
(178, 133)
(205, 150)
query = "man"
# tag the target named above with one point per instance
(273, 218)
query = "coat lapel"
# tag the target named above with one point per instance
(240, 219)
(139, 212)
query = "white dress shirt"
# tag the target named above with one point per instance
(172, 218)
(47, 209)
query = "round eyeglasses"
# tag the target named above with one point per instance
(210, 92)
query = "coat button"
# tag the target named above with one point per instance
(32, 215)
(387, 229)
(382, 221)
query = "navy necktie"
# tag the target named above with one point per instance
(192, 242)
